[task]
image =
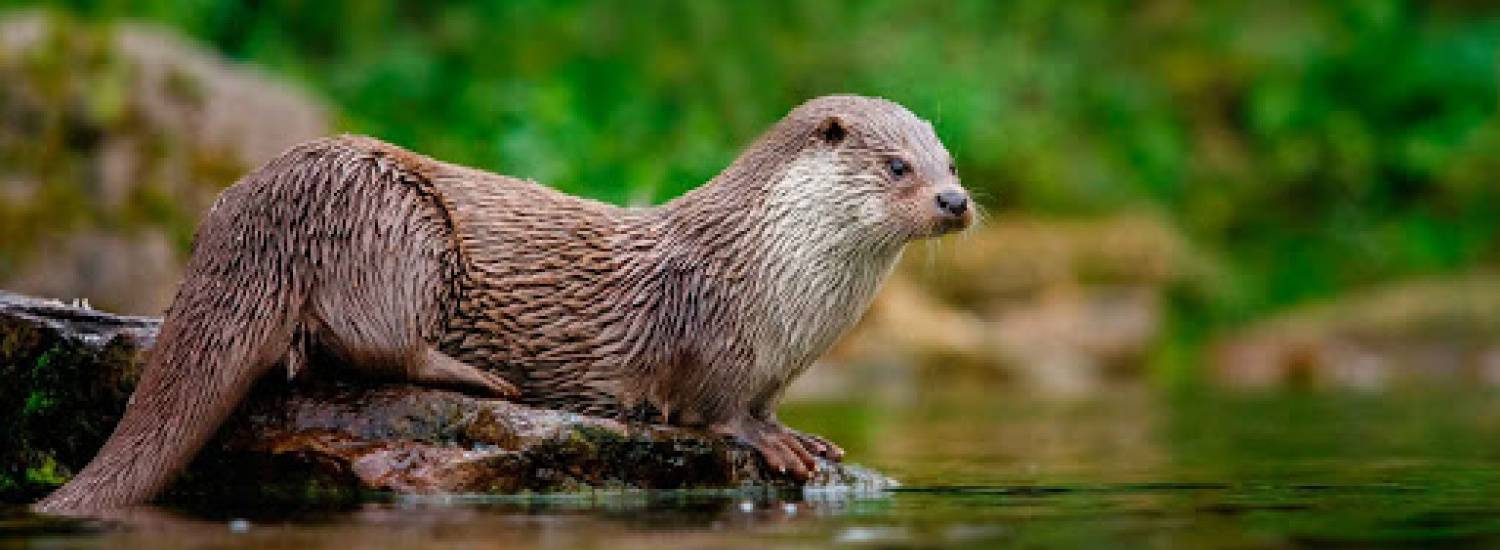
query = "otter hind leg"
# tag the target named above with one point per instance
(384, 287)
(437, 368)
(391, 347)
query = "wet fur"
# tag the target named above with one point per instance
(697, 312)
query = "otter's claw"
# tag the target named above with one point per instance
(784, 450)
(820, 446)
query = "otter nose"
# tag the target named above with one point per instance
(954, 203)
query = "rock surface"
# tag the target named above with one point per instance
(69, 372)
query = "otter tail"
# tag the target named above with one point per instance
(218, 339)
(334, 229)
(233, 318)
(182, 398)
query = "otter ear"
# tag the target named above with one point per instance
(832, 130)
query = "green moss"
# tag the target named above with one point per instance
(61, 399)
(46, 474)
(598, 434)
(36, 403)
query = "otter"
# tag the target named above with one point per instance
(698, 312)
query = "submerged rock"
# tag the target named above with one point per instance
(70, 371)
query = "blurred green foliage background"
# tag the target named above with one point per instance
(1308, 147)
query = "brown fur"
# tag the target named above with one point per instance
(697, 312)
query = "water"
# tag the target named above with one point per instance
(984, 467)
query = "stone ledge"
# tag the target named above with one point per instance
(70, 371)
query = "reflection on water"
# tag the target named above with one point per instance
(985, 467)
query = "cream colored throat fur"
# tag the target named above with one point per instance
(823, 258)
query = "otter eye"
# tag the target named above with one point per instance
(898, 167)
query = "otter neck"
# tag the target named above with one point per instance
(784, 271)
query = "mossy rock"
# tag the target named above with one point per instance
(71, 371)
(68, 373)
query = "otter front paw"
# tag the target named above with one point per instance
(783, 449)
(819, 445)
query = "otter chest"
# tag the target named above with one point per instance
(805, 313)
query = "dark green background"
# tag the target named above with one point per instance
(1308, 147)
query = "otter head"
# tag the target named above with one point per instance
(871, 166)
(763, 268)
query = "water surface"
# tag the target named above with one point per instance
(986, 467)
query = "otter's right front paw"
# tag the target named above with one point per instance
(819, 445)
(781, 448)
